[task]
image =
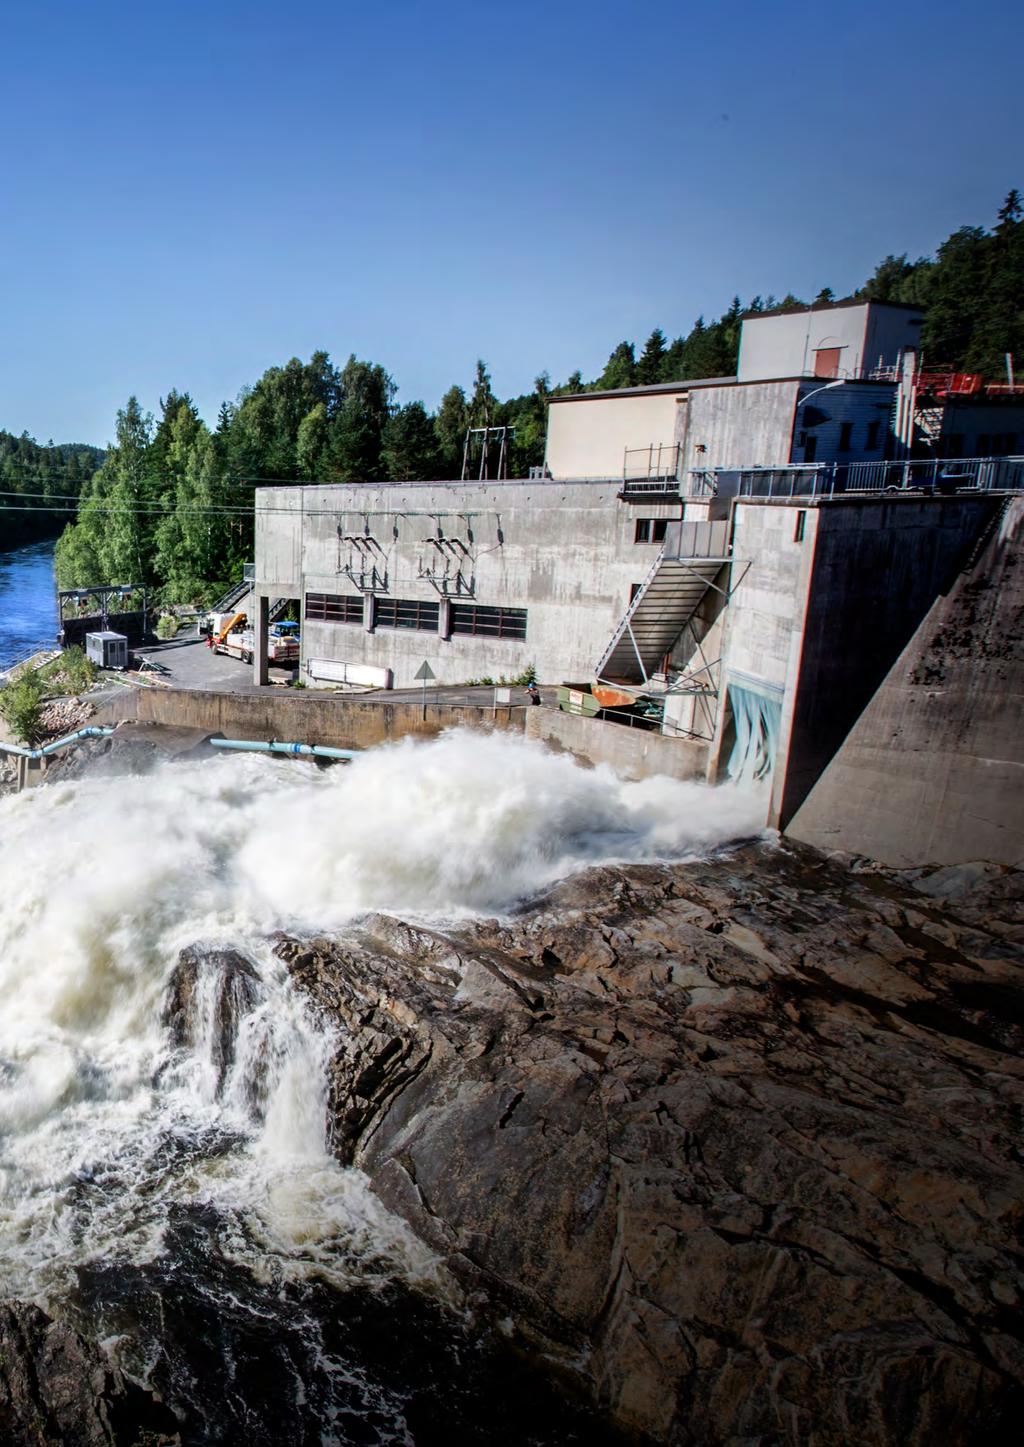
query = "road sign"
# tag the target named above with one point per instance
(424, 671)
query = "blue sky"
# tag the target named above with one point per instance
(195, 192)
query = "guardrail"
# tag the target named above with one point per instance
(658, 462)
(834, 479)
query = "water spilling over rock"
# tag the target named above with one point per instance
(166, 1182)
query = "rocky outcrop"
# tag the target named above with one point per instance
(736, 1142)
(56, 1390)
(210, 1024)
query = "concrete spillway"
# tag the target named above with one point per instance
(933, 768)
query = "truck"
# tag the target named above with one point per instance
(237, 640)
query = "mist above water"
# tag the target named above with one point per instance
(108, 1125)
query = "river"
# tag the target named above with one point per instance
(28, 602)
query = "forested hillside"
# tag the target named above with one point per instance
(171, 504)
(40, 485)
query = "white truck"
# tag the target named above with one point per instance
(237, 641)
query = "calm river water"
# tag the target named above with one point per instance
(28, 602)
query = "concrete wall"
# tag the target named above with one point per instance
(878, 567)
(784, 346)
(740, 426)
(983, 430)
(563, 551)
(588, 436)
(932, 771)
(633, 753)
(342, 723)
(890, 331)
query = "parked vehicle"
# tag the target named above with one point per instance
(238, 641)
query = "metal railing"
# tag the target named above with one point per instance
(658, 462)
(835, 479)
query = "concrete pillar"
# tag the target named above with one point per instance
(368, 612)
(261, 636)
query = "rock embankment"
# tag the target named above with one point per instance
(57, 1390)
(735, 1142)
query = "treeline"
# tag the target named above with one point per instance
(40, 485)
(171, 505)
(972, 293)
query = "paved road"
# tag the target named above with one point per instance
(186, 662)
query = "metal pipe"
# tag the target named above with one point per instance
(93, 732)
(320, 751)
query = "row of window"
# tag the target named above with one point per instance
(425, 617)
(809, 441)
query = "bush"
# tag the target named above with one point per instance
(21, 707)
(167, 626)
(72, 672)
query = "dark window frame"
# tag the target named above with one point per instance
(845, 436)
(475, 620)
(417, 615)
(871, 444)
(650, 530)
(333, 608)
(801, 523)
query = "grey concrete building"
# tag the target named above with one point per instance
(760, 607)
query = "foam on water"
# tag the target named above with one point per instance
(105, 1125)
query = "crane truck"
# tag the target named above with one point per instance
(233, 637)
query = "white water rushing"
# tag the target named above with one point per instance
(105, 1124)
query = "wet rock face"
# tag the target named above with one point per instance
(57, 1391)
(738, 1140)
(232, 991)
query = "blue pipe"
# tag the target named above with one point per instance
(320, 751)
(64, 743)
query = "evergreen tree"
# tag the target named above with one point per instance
(410, 449)
(450, 429)
(648, 369)
(619, 370)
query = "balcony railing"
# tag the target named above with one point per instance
(835, 479)
(657, 463)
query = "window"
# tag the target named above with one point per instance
(872, 439)
(845, 435)
(798, 531)
(810, 448)
(406, 613)
(634, 589)
(954, 445)
(332, 608)
(984, 442)
(488, 622)
(650, 530)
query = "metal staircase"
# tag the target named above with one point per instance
(686, 568)
(228, 603)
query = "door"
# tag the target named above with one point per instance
(826, 362)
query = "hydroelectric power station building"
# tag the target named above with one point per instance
(787, 559)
